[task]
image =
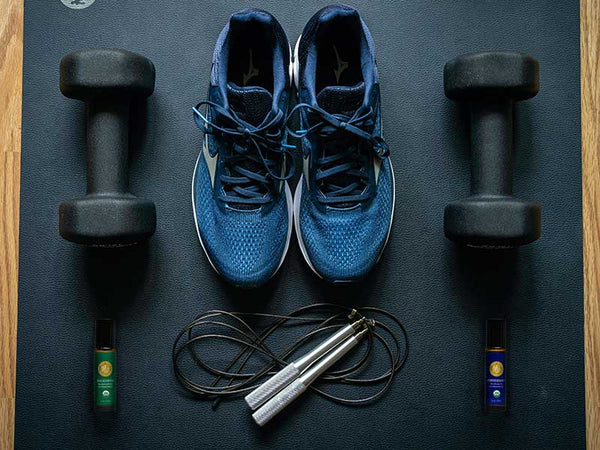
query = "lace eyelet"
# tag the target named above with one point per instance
(380, 146)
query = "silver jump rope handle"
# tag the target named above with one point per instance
(277, 403)
(293, 370)
(273, 385)
(274, 406)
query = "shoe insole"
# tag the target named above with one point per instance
(338, 57)
(251, 60)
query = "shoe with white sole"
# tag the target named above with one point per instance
(344, 202)
(241, 199)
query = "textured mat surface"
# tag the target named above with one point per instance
(442, 293)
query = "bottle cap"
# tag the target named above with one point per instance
(496, 333)
(105, 333)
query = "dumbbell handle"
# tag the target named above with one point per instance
(107, 145)
(491, 147)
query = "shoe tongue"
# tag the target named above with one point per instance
(341, 99)
(250, 103)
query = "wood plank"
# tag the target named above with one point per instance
(11, 65)
(590, 137)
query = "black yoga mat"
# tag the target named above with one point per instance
(441, 292)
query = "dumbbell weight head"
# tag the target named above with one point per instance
(489, 83)
(89, 74)
(492, 221)
(107, 80)
(506, 75)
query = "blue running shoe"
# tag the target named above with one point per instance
(240, 195)
(344, 202)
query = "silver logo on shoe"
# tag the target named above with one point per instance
(211, 161)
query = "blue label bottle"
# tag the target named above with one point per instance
(495, 365)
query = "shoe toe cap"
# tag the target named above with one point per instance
(344, 249)
(344, 245)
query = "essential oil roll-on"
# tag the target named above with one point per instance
(105, 365)
(495, 365)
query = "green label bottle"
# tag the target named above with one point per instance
(105, 367)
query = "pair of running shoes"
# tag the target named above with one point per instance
(344, 201)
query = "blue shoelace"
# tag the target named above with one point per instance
(342, 174)
(249, 184)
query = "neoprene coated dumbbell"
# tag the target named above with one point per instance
(490, 83)
(107, 80)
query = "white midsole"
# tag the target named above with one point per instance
(296, 64)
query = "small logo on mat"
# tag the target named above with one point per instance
(77, 4)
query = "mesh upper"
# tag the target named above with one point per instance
(244, 246)
(345, 244)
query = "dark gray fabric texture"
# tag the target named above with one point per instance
(443, 293)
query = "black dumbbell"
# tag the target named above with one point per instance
(107, 80)
(490, 83)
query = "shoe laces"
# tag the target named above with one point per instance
(342, 168)
(254, 156)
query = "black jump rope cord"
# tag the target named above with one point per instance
(251, 342)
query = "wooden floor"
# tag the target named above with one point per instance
(590, 136)
(11, 62)
(11, 57)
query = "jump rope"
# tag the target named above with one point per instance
(343, 327)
